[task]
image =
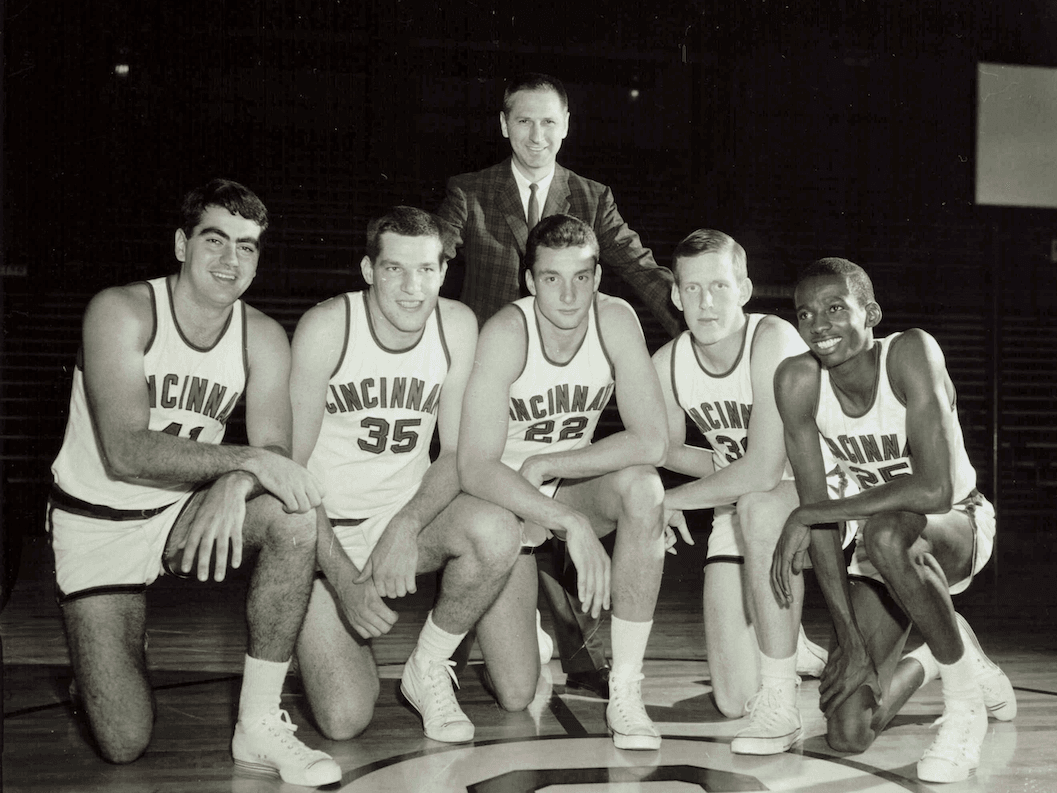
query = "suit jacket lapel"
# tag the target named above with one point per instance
(558, 196)
(508, 200)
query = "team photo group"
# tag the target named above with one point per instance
(401, 433)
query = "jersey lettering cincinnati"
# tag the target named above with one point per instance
(861, 449)
(196, 394)
(721, 415)
(404, 393)
(557, 400)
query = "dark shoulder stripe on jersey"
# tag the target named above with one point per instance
(528, 341)
(245, 343)
(671, 366)
(601, 341)
(60, 499)
(443, 338)
(818, 392)
(348, 334)
(153, 317)
(886, 357)
(755, 335)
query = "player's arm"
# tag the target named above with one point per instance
(850, 667)
(500, 357)
(318, 342)
(644, 439)
(682, 457)
(394, 561)
(796, 393)
(117, 327)
(760, 469)
(917, 370)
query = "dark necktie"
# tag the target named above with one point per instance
(533, 207)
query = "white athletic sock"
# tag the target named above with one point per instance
(262, 688)
(629, 641)
(923, 655)
(436, 643)
(959, 682)
(779, 674)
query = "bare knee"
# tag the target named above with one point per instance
(343, 723)
(850, 732)
(761, 518)
(124, 742)
(495, 536)
(730, 700)
(642, 497)
(515, 697)
(887, 542)
(292, 532)
(512, 693)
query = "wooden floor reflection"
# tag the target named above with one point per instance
(558, 743)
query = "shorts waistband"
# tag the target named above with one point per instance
(60, 499)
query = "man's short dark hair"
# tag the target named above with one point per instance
(533, 81)
(407, 222)
(859, 283)
(710, 241)
(232, 196)
(557, 232)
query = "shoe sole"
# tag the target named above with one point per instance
(411, 702)
(1006, 709)
(646, 743)
(764, 746)
(265, 770)
(936, 779)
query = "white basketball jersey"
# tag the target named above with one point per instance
(554, 407)
(192, 392)
(720, 405)
(378, 420)
(873, 448)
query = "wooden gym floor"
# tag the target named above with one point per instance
(558, 744)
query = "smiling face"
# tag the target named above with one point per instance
(564, 282)
(711, 296)
(836, 325)
(536, 126)
(405, 280)
(220, 257)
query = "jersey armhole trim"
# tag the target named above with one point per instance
(528, 340)
(348, 334)
(602, 341)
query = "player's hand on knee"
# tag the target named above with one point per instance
(848, 669)
(216, 526)
(366, 611)
(674, 521)
(393, 563)
(291, 483)
(591, 562)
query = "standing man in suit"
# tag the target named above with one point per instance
(491, 213)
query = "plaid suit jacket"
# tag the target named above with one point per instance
(488, 222)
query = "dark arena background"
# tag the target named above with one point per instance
(853, 130)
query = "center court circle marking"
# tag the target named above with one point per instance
(592, 763)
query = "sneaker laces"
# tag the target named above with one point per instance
(278, 724)
(765, 707)
(443, 694)
(953, 738)
(625, 694)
